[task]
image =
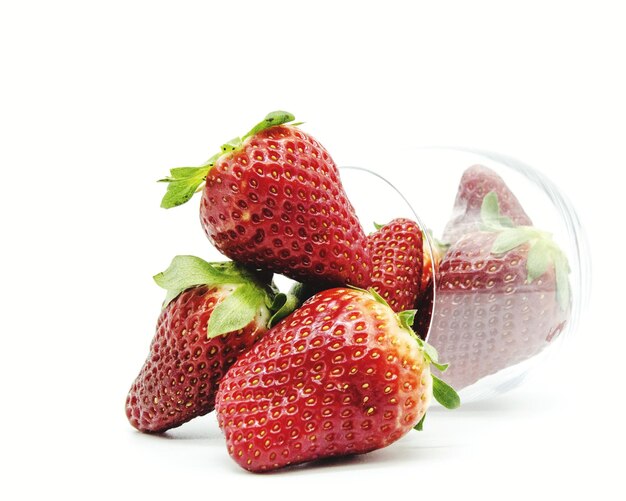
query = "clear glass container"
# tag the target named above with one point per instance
(492, 326)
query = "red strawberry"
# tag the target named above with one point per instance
(502, 296)
(273, 199)
(475, 183)
(212, 314)
(342, 375)
(396, 251)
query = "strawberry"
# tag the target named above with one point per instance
(475, 183)
(341, 375)
(211, 315)
(502, 296)
(396, 251)
(273, 200)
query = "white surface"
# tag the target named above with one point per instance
(98, 100)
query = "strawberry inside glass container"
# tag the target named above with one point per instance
(510, 260)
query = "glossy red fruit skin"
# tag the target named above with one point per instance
(486, 316)
(336, 377)
(181, 375)
(397, 255)
(278, 203)
(476, 182)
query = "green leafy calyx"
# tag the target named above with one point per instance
(543, 252)
(185, 272)
(272, 119)
(183, 182)
(243, 294)
(407, 318)
(492, 220)
(283, 305)
(431, 355)
(445, 394)
(236, 310)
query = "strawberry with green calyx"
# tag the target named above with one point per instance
(502, 296)
(273, 199)
(396, 251)
(341, 375)
(212, 314)
(477, 181)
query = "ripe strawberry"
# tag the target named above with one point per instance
(342, 375)
(475, 183)
(273, 200)
(212, 314)
(396, 251)
(502, 296)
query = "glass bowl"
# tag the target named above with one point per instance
(492, 325)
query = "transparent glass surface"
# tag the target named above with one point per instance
(496, 335)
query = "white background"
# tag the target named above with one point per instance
(99, 99)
